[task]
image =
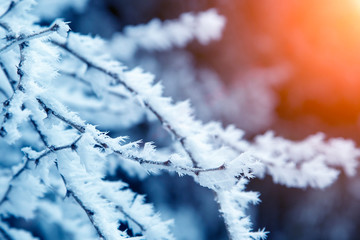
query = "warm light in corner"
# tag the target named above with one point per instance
(321, 39)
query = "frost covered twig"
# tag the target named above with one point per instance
(88, 212)
(204, 26)
(8, 77)
(18, 86)
(104, 144)
(54, 149)
(75, 190)
(313, 162)
(117, 78)
(87, 83)
(152, 103)
(11, 6)
(15, 176)
(24, 38)
(4, 234)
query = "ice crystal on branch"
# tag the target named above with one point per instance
(56, 161)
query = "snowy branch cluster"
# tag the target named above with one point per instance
(56, 86)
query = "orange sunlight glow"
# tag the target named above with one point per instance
(322, 41)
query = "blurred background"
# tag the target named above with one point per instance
(289, 66)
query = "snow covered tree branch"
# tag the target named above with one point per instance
(52, 157)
